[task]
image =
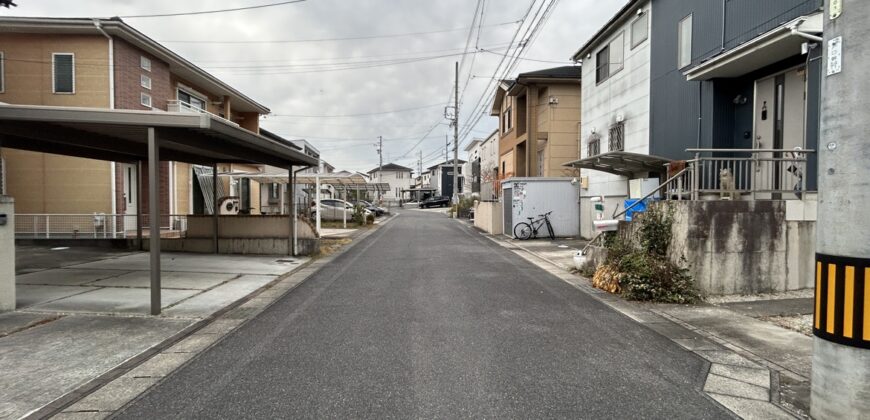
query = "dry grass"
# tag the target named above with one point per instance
(331, 246)
(607, 278)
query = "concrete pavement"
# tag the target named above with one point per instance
(426, 319)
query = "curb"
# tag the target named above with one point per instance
(747, 387)
(245, 305)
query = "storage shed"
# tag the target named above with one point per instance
(531, 197)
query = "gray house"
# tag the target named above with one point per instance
(714, 106)
(738, 76)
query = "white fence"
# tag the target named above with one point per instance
(93, 226)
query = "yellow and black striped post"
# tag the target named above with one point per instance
(842, 301)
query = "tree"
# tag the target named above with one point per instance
(7, 3)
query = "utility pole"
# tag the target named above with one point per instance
(447, 148)
(841, 323)
(380, 163)
(456, 138)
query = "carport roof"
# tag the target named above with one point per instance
(122, 136)
(353, 181)
(621, 163)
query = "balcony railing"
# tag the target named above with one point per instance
(175, 105)
(760, 174)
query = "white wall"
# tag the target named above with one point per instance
(7, 255)
(398, 180)
(488, 162)
(626, 92)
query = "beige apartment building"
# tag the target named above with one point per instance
(105, 63)
(539, 118)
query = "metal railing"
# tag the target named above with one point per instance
(176, 105)
(763, 174)
(94, 226)
(593, 148)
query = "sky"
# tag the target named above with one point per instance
(397, 69)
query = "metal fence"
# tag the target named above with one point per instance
(731, 173)
(94, 226)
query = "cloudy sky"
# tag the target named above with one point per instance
(390, 55)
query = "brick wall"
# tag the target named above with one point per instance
(128, 82)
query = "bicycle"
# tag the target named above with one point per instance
(529, 230)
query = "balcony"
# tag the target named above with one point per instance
(175, 105)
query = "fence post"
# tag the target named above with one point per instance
(47, 227)
(695, 178)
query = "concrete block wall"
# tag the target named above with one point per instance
(742, 247)
(7, 255)
(488, 216)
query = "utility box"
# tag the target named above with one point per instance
(531, 197)
(7, 254)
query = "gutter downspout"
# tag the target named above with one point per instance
(112, 168)
(795, 31)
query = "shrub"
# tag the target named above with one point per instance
(642, 270)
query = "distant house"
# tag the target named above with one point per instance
(489, 186)
(398, 176)
(440, 177)
(471, 168)
(538, 122)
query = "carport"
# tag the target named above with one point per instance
(135, 137)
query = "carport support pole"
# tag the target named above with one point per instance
(154, 218)
(139, 242)
(214, 216)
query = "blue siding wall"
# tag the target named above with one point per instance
(687, 114)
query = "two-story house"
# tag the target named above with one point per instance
(105, 63)
(398, 176)
(664, 76)
(440, 177)
(538, 122)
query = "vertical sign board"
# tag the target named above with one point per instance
(836, 9)
(835, 55)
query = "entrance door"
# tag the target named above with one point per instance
(780, 113)
(131, 200)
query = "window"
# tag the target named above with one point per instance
(506, 121)
(616, 141)
(593, 147)
(145, 63)
(145, 81)
(640, 30)
(63, 73)
(192, 100)
(610, 60)
(2, 72)
(273, 190)
(684, 55)
(145, 99)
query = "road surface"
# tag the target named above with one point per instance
(426, 318)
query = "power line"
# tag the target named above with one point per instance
(527, 59)
(206, 12)
(352, 38)
(356, 115)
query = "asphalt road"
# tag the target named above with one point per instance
(427, 319)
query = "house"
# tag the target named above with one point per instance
(105, 63)
(664, 76)
(398, 176)
(440, 177)
(714, 107)
(471, 183)
(489, 185)
(541, 109)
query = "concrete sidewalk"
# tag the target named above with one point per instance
(83, 312)
(738, 326)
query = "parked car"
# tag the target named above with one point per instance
(378, 211)
(435, 201)
(332, 209)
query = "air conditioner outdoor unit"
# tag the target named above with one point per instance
(229, 206)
